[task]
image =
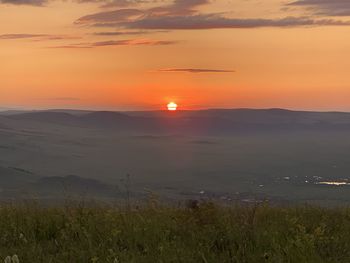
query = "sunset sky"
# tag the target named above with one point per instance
(142, 54)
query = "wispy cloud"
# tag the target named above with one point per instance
(21, 36)
(123, 3)
(219, 22)
(116, 3)
(119, 33)
(36, 37)
(116, 16)
(124, 33)
(325, 7)
(24, 2)
(184, 15)
(59, 37)
(105, 3)
(195, 70)
(133, 42)
(178, 7)
(71, 46)
(126, 42)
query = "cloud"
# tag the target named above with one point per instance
(123, 3)
(36, 37)
(24, 2)
(126, 42)
(196, 70)
(177, 8)
(119, 3)
(116, 3)
(133, 42)
(71, 46)
(219, 22)
(325, 7)
(59, 37)
(122, 33)
(184, 14)
(116, 16)
(106, 3)
(21, 36)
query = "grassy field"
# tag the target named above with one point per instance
(205, 233)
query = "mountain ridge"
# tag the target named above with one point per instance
(197, 121)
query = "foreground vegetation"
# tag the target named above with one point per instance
(204, 233)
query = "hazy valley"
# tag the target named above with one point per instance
(227, 155)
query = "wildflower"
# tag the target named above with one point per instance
(15, 259)
(94, 259)
(23, 238)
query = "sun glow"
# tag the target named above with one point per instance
(172, 106)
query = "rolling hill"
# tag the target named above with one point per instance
(214, 121)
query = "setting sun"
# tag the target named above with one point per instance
(172, 106)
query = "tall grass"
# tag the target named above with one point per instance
(207, 233)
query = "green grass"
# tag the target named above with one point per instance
(210, 233)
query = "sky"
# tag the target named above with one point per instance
(142, 54)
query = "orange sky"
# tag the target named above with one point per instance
(122, 55)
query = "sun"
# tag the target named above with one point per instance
(172, 106)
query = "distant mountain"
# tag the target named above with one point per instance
(73, 112)
(249, 120)
(12, 112)
(46, 116)
(104, 118)
(253, 115)
(212, 121)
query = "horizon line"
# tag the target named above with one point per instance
(5, 109)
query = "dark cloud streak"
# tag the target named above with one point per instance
(126, 42)
(120, 15)
(132, 43)
(195, 70)
(105, 3)
(218, 22)
(325, 7)
(36, 37)
(24, 2)
(21, 36)
(177, 8)
(124, 33)
(122, 3)
(183, 15)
